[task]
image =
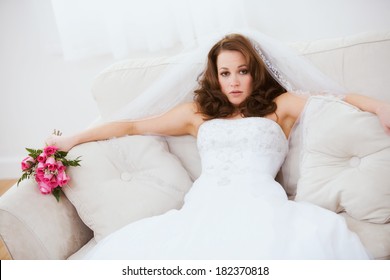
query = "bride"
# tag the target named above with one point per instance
(242, 114)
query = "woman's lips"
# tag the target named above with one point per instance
(235, 92)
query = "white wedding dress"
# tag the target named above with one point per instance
(236, 209)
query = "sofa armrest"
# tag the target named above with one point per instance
(35, 226)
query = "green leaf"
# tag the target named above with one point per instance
(34, 153)
(23, 177)
(75, 162)
(31, 150)
(57, 193)
(60, 154)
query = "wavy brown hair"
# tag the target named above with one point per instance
(212, 103)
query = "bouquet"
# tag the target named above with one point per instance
(48, 168)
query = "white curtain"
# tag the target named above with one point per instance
(124, 28)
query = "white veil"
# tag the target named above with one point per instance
(293, 71)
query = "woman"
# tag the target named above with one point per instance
(242, 118)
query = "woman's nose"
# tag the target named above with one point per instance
(234, 80)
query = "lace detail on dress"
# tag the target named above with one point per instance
(231, 147)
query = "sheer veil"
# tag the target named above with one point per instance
(293, 71)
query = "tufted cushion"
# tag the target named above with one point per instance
(123, 180)
(345, 163)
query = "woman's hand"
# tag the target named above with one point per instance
(63, 143)
(383, 113)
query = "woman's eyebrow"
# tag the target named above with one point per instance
(226, 68)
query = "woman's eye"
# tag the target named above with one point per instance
(224, 74)
(244, 71)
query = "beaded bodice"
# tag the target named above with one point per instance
(238, 146)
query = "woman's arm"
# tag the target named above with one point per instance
(180, 120)
(368, 104)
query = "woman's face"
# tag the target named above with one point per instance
(233, 76)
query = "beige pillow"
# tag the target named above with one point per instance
(123, 180)
(345, 164)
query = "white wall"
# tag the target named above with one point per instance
(33, 73)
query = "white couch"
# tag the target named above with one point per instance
(342, 164)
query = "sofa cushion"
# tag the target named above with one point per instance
(186, 150)
(123, 180)
(342, 60)
(345, 160)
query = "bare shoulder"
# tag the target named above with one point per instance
(186, 110)
(189, 110)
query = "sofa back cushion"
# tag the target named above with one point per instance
(359, 62)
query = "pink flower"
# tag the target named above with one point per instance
(42, 157)
(44, 188)
(62, 178)
(27, 163)
(40, 171)
(50, 150)
(60, 166)
(51, 164)
(47, 177)
(38, 178)
(53, 182)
